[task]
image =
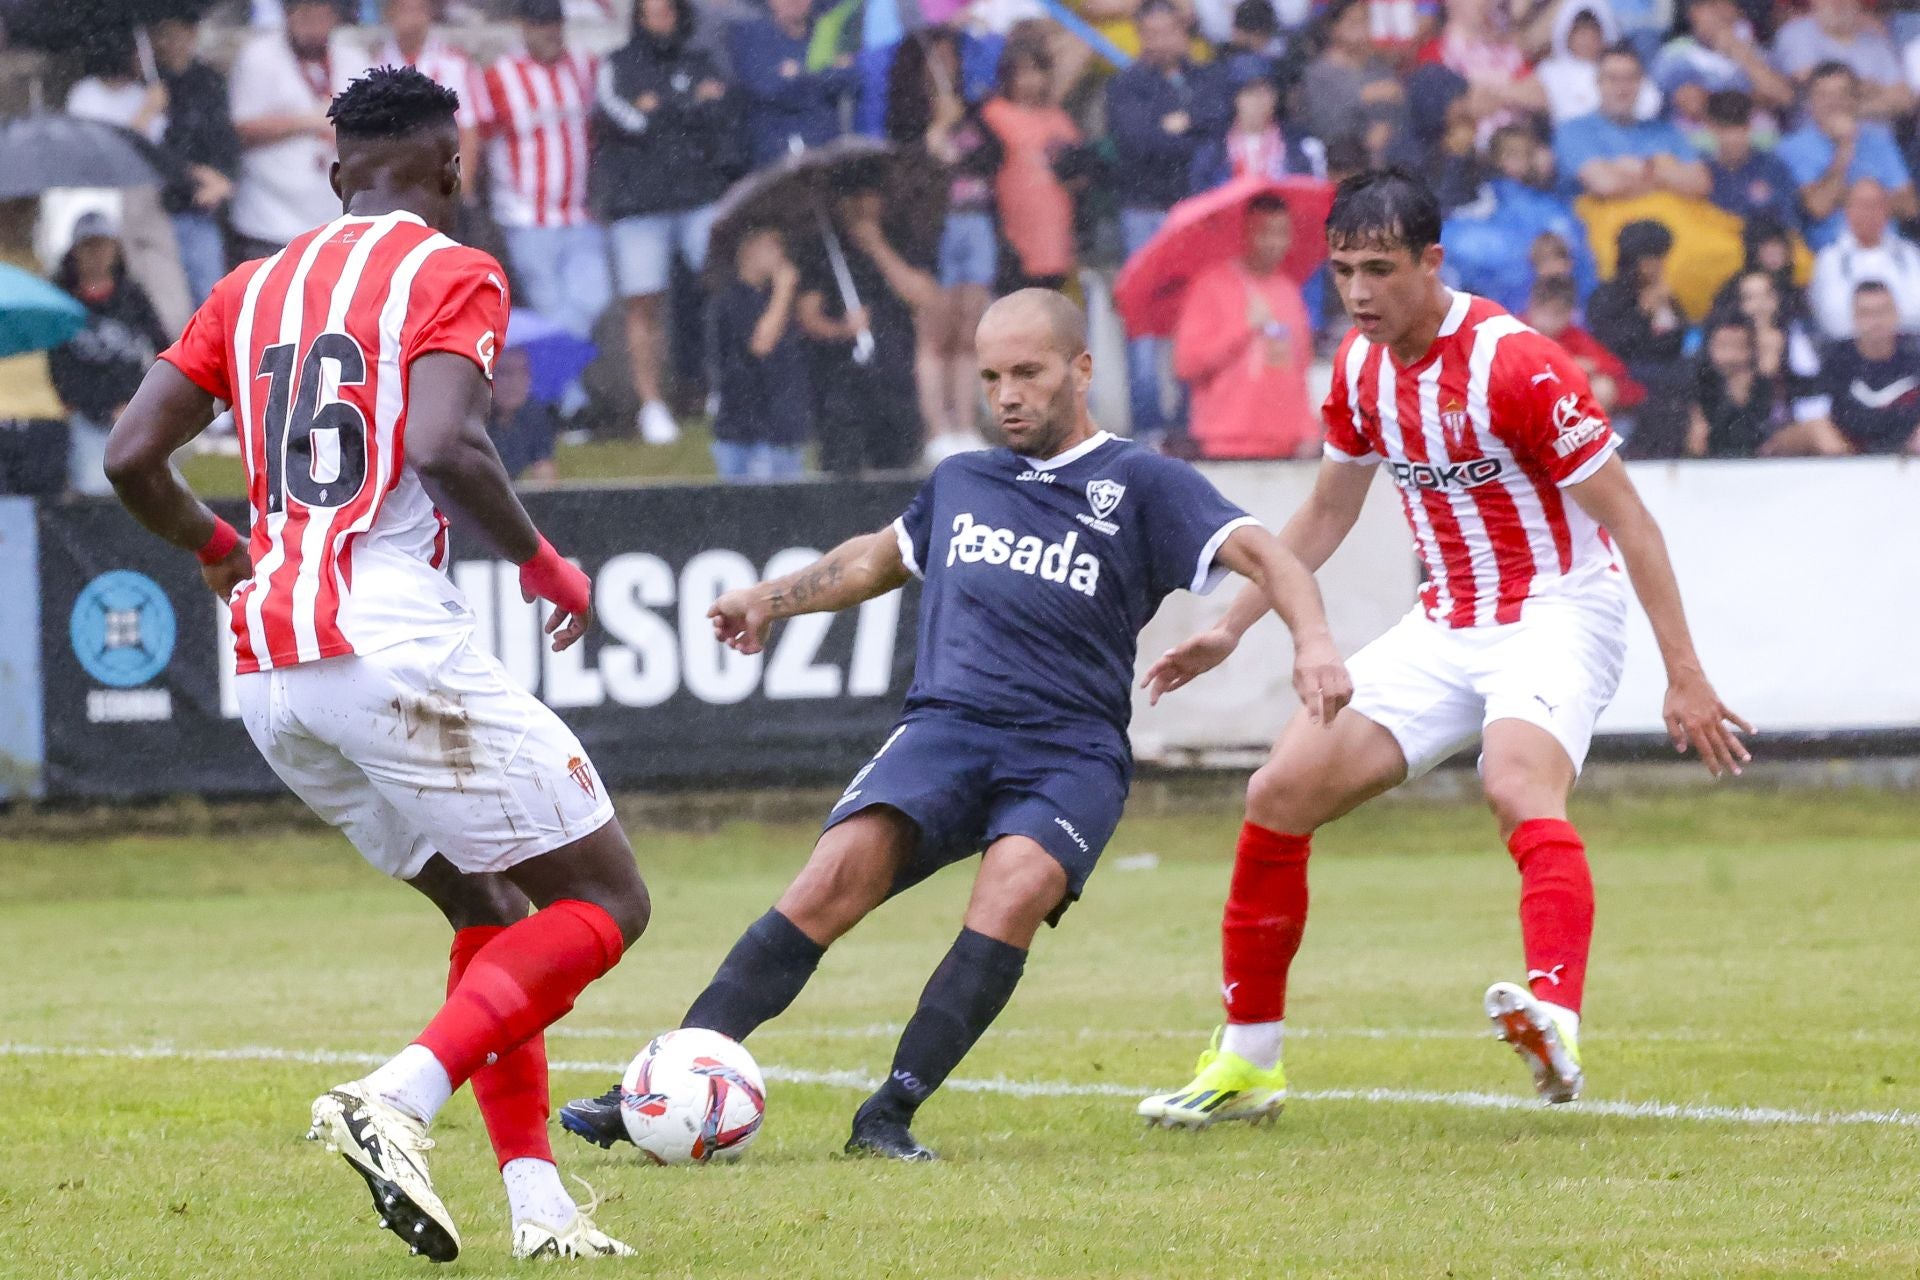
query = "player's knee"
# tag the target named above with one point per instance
(1516, 796)
(1281, 797)
(631, 907)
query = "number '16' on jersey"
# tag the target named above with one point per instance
(311, 347)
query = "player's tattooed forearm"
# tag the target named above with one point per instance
(809, 585)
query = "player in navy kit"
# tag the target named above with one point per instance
(1041, 564)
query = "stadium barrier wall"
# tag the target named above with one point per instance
(1802, 581)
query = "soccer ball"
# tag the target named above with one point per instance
(693, 1096)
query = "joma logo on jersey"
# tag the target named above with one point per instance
(975, 543)
(1036, 477)
(1453, 475)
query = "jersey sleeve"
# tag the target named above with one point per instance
(914, 528)
(1544, 408)
(204, 351)
(462, 303)
(1345, 441)
(1187, 521)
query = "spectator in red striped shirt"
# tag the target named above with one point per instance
(410, 42)
(535, 115)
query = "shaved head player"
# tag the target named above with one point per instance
(1041, 563)
(1508, 474)
(357, 363)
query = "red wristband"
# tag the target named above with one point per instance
(225, 538)
(550, 576)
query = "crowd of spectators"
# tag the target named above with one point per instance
(1707, 201)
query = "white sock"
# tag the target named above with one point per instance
(414, 1081)
(1562, 1016)
(1257, 1042)
(534, 1192)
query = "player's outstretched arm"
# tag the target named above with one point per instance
(1313, 534)
(1319, 677)
(447, 443)
(1694, 714)
(165, 413)
(855, 571)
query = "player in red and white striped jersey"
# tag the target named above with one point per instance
(357, 363)
(1507, 473)
(534, 114)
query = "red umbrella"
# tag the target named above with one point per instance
(1211, 228)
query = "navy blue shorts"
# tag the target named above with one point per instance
(966, 785)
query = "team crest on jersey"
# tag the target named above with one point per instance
(1457, 430)
(582, 773)
(1104, 495)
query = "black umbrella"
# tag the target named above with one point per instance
(795, 196)
(44, 150)
(62, 25)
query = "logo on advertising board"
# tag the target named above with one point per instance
(122, 630)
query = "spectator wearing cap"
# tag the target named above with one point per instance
(1582, 30)
(1634, 315)
(200, 138)
(787, 101)
(280, 87)
(1834, 148)
(1716, 54)
(1868, 249)
(1150, 118)
(535, 116)
(1351, 89)
(666, 148)
(1243, 343)
(96, 372)
(1613, 154)
(1842, 31)
(1866, 398)
(1747, 182)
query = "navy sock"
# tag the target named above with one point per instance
(964, 996)
(758, 979)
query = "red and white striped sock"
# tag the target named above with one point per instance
(1556, 908)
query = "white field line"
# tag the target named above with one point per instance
(1198, 1033)
(1469, 1101)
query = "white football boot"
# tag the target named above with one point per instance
(386, 1147)
(1546, 1038)
(578, 1239)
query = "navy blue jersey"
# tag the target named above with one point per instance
(1040, 575)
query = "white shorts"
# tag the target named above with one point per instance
(425, 747)
(1435, 687)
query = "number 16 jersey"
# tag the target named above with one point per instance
(311, 347)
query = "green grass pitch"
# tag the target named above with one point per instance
(170, 1005)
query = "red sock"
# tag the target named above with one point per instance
(520, 983)
(1556, 908)
(1265, 916)
(512, 1093)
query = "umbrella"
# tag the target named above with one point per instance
(66, 25)
(1208, 229)
(34, 316)
(556, 353)
(45, 150)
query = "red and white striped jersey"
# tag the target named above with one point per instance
(312, 348)
(535, 114)
(446, 66)
(1481, 434)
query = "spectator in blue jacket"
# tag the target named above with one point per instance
(665, 149)
(1747, 181)
(1613, 153)
(1150, 117)
(1484, 239)
(1835, 148)
(784, 100)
